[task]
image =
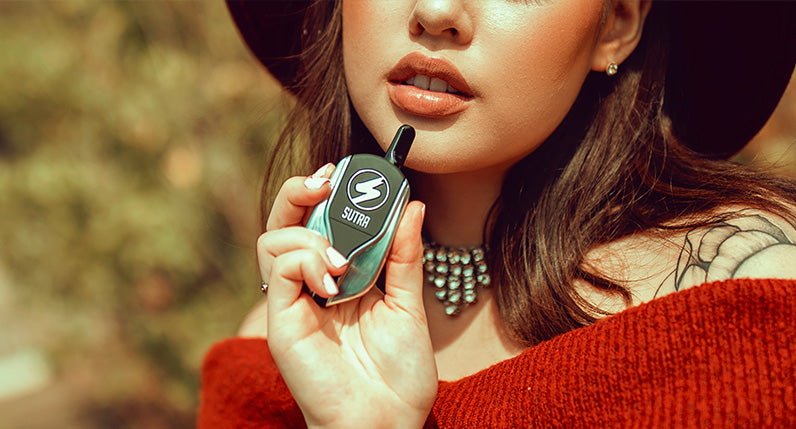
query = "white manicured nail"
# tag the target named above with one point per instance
(329, 284)
(321, 171)
(335, 257)
(315, 182)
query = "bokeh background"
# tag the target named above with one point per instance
(133, 137)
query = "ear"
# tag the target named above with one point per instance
(621, 32)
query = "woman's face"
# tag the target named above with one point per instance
(484, 82)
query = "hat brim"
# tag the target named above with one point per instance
(272, 31)
(729, 65)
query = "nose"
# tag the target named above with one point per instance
(442, 18)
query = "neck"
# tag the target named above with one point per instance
(457, 204)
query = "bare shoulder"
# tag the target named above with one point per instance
(256, 322)
(749, 244)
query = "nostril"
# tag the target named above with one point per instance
(417, 29)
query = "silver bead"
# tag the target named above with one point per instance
(441, 294)
(442, 268)
(453, 282)
(469, 283)
(439, 282)
(481, 267)
(428, 255)
(454, 296)
(451, 310)
(484, 279)
(456, 270)
(478, 254)
(467, 271)
(469, 297)
(441, 256)
(465, 258)
(429, 266)
(454, 256)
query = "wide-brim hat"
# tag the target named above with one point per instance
(730, 61)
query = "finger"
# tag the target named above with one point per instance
(404, 266)
(296, 196)
(274, 243)
(289, 273)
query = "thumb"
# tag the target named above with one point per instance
(404, 266)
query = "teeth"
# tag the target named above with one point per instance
(421, 81)
(438, 85)
(433, 84)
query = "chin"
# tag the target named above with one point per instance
(437, 163)
(428, 166)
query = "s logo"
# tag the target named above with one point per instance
(368, 189)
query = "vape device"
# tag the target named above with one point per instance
(369, 195)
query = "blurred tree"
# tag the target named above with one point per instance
(132, 140)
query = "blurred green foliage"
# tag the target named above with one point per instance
(132, 141)
(133, 137)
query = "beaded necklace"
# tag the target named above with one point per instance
(456, 273)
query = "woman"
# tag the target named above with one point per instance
(578, 146)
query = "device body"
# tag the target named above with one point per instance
(360, 217)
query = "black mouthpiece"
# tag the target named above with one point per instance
(401, 143)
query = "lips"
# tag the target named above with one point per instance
(428, 87)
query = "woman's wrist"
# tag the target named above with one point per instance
(405, 420)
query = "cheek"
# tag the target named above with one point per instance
(546, 62)
(365, 58)
(354, 30)
(366, 24)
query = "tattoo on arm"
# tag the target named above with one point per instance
(718, 252)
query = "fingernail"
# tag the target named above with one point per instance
(321, 171)
(423, 211)
(315, 182)
(335, 257)
(329, 284)
(317, 233)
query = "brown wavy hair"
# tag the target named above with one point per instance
(615, 166)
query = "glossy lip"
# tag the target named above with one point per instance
(427, 103)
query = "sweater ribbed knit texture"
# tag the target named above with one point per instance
(721, 354)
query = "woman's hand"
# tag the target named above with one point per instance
(362, 363)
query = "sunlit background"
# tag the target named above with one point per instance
(132, 142)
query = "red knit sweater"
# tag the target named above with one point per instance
(719, 355)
